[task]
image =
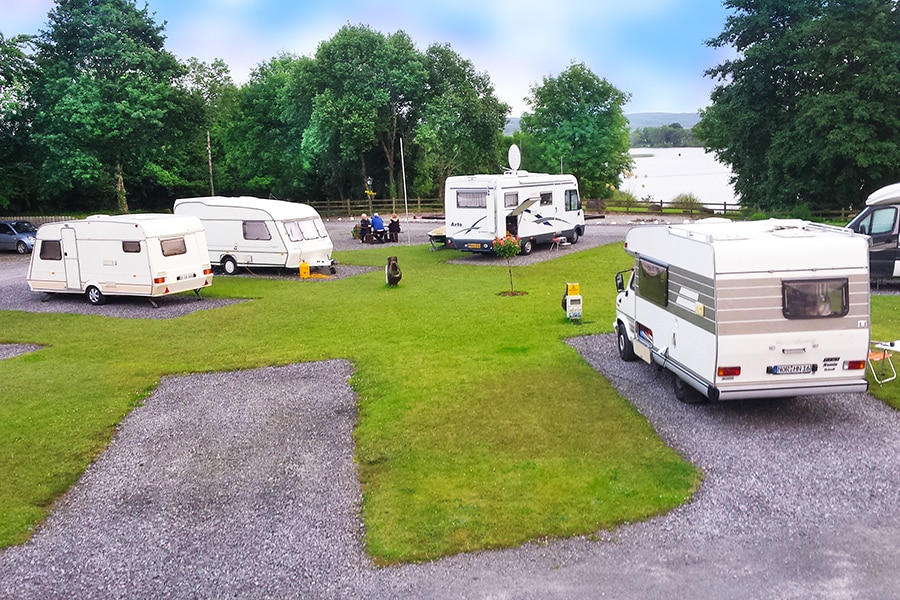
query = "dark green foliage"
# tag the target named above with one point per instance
(808, 111)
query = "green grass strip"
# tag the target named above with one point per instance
(478, 426)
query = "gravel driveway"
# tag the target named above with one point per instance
(242, 485)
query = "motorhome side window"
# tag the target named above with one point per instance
(546, 198)
(879, 221)
(474, 199)
(173, 246)
(51, 250)
(131, 246)
(573, 201)
(256, 230)
(653, 282)
(511, 199)
(815, 299)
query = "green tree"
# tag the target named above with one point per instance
(103, 95)
(15, 150)
(807, 113)
(462, 121)
(578, 122)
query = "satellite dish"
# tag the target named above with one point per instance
(515, 157)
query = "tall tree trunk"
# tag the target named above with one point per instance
(121, 200)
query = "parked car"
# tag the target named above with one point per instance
(17, 235)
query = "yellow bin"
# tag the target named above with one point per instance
(304, 270)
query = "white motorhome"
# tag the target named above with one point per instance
(128, 255)
(536, 207)
(747, 309)
(256, 232)
(880, 220)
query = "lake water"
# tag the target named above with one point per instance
(663, 173)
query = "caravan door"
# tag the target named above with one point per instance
(70, 258)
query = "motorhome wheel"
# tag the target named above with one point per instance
(573, 239)
(95, 296)
(229, 265)
(527, 247)
(626, 347)
(686, 393)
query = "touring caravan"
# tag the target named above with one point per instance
(129, 255)
(747, 309)
(535, 207)
(879, 220)
(256, 232)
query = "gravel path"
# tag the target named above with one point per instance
(242, 485)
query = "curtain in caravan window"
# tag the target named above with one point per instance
(471, 199)
(511, 199)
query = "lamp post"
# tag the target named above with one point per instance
(369, 193)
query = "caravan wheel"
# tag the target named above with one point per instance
(686, 393)
(229, 265)
(94, 295)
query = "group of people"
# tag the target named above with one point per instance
(374, 231)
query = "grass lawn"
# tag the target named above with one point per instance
(478, 426)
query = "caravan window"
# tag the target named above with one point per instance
(320, 227)
(511, 199)
(309, 229)
(815, 299)
(573, 202)
(653, 282)
(546, 198)
(256, 230)
(131, 246)
(173, 247)
(471, 199)
(51, 250)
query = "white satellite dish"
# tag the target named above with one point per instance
(515, 157)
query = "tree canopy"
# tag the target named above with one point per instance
(808, 111)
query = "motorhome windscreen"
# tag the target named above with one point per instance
(653, 282)
(471, 199)
(815, 298)
(173, 246)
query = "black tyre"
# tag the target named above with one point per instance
(527, 246)
(686, 393)
(573, 239)
(94, 295)
(626, 347)
(229, 265)
(21, 247)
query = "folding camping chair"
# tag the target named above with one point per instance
(882, 354)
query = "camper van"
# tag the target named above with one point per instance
(747, 309)
(127, 255)
(535, 207)
(879, 221)
(256, 232)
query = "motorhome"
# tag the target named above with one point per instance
(538, 208)
(747, 309)
(256, 232)
(128, 255)
(879, 220)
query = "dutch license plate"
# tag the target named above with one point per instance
(791, 369)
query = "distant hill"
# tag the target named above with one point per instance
(635, 121)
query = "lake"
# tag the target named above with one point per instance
(661, 174)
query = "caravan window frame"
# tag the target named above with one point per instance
(652, 281)
(815, 298)
(173, 246)
(471, 198)
(252, 230)
(51, 250)
(131, 247)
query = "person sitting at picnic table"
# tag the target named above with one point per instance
(365, 227)
(378, 227)
(394, 227)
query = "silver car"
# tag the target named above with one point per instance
(17, 235)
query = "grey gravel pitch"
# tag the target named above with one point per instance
(242, 485)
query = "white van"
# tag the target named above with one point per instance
(536, 207)
(256, 232)
(130, 255)
(747, 309)
(880, 220)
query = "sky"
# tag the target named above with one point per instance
(653, 50)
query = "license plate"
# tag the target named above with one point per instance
(183, 277)
(792, 369)
(474, 246)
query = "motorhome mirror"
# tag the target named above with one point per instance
(620, 282)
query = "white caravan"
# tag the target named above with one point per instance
(536, 207)
(128, 255)
(748, 309)
(256, 232)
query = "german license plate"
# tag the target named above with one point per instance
(791, 369)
